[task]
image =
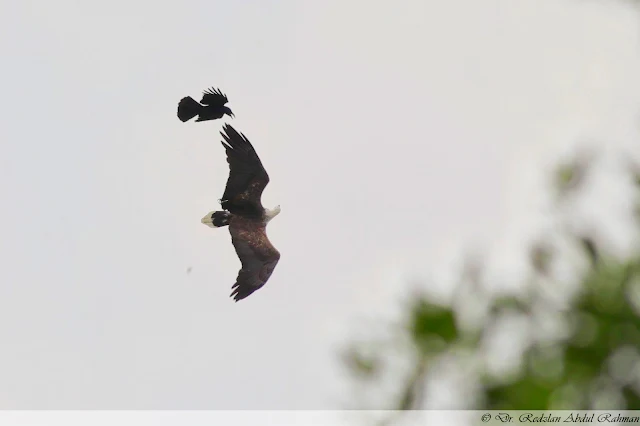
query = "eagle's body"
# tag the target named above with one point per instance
(244, 214)
(211, 107)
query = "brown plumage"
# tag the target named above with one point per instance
(244, 214)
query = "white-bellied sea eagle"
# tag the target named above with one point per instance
(244, 214)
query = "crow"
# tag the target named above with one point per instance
(213, 101)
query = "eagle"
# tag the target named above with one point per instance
(244, 214)
(211, 107)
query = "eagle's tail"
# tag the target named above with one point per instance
(188, 108)
(216, 219)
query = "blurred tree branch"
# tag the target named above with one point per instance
(590, 361)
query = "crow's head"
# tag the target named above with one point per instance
(228, 111)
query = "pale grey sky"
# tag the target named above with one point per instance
(393, 134)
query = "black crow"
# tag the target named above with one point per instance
(211, 106)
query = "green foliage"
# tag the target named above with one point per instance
(593, 362)
(431, 326)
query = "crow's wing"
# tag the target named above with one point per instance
(214, 97)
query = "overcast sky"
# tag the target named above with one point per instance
(394, 133)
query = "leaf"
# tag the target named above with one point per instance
(429, 322)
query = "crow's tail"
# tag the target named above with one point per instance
(188, 108)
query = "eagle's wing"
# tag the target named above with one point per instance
(258, 256)
(247, 176)
(214, 97)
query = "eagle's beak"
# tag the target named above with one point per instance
(208, 220)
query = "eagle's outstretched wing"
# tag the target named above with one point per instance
(214, 97)
(247, 176)
(258, 256)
